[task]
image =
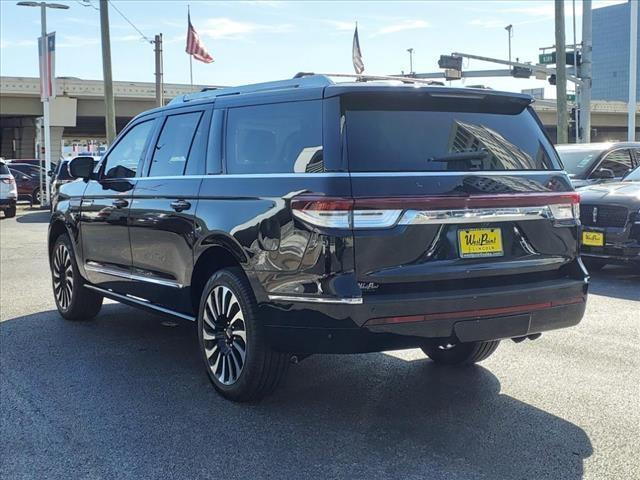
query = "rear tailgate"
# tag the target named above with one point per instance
(454, 192)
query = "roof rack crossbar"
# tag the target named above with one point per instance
(306, 81)
(366, 77)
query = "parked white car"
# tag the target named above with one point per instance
(8, 192)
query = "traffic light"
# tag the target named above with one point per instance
(521, 72)
(451, 62)
(552, 79)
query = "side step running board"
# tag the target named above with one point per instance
(140, 302)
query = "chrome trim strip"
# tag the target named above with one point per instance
(475, 215)
(93, 267)
(141, 302)
(293, 298)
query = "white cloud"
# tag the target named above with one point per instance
(76, 41)
(402, 26)
(17, 43)
(487, 23)
(341, 26)
(227, 28)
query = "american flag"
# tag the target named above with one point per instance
(46, 51)
(194, 46)
(356, 53)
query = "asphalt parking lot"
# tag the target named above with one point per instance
(125, 396)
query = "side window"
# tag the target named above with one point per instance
(619, 162)
(174, 143)
(637, 152)
(122, 161)
(277, 138)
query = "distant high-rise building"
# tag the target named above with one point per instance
(610, 71)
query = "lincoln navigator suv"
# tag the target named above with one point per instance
(305, 216)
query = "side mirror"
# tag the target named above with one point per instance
(81, 167)
(603, 174)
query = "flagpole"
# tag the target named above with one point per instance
(190, 55)
(191, 70)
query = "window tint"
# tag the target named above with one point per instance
(278, 138)
(122, 161)
(619, 162)
(172, 150)
(424, 140)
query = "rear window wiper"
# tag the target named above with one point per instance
(477, 155)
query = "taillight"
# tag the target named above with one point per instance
(375, 213)
(335, 212)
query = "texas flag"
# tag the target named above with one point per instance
(47, 53)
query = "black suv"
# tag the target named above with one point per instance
(306, 216)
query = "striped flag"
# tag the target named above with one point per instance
(47, 57)
(195, 47)
(356, 53)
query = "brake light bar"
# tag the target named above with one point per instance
(480, 313)
(386, 212)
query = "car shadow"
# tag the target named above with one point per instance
(34, 216)
(125, 396)
(616, 281)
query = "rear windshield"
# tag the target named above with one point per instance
(4, 170)
(578, 162)
(392, 140)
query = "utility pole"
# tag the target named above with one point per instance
(109, 104)
(561, 75)
(633, 68)
(575, 72)
(157, 42)
(410, 50)
(509, 29)
(585, 73)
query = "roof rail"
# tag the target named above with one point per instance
(365, 78)
(304, 81)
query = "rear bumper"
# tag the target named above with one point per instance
(413, 320)
(618, 254)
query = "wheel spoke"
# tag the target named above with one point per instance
(240, 349)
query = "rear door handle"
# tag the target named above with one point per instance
(180, 205)
(120, 203)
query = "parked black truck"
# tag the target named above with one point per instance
(306, 216)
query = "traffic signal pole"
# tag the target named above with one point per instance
(585, 74)
(562, 135)
(109, 103)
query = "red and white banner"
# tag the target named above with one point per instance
(47, 54)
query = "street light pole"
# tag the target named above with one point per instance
(410, 50)
(633, 66)
(509, 29)
(46, 111)
(109, 102)
(561, 75)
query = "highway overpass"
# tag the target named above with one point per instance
(78, 112)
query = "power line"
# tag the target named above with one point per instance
(130, 22)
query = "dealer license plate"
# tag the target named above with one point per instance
(593, 239)
(480, 242)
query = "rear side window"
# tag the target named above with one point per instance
(123, 160)
(4, 170)
(174, 144)
(277, 138)
(395, 140)
(619, 162)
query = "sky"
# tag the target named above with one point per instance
(254, 41)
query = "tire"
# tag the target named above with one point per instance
(237, 357)
(10, 212)
(594, 265)
(35, 197)
(461, 353)
(74, 302)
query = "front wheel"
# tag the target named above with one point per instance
(460, 353)
(74, 302)
(238, 359)
(10, 212)
(35, 197)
